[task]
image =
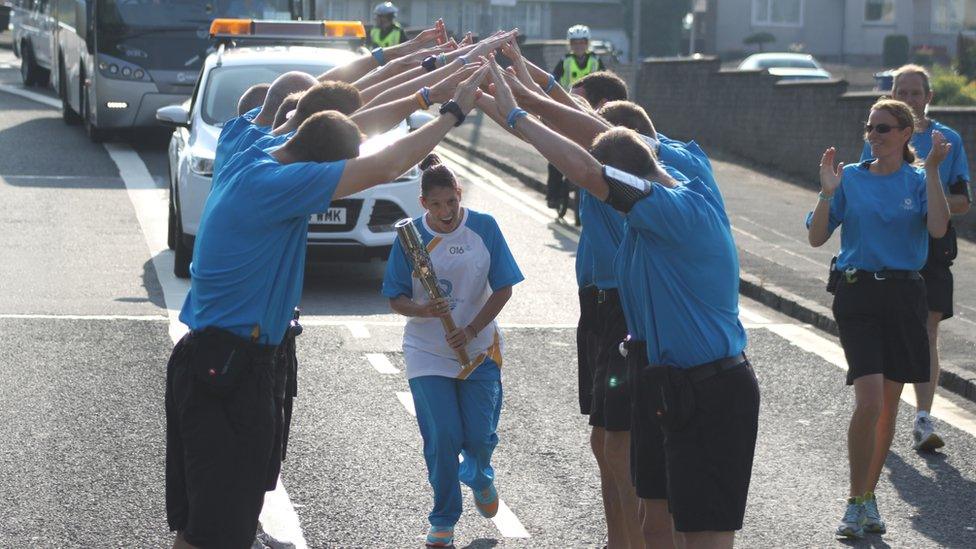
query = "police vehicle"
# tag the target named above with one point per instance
(359, 227)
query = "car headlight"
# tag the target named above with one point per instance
(202, 165)
(412, 173)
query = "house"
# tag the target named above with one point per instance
(836, 30)
(537, 19)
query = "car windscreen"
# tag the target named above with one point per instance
(787, 63)
(226, 85)
(185, 13)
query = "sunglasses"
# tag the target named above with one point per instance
(881, 128)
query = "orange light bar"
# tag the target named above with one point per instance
(344, 29)
(240, 27)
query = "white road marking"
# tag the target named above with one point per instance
(745, 313)
(138, 318)
(33, 96)
(780, 248)
(322, 320)
(358, 330)
(381, 363)
(406, 399)
(51, 177)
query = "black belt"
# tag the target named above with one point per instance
(853, 276)
(602, 296)
(701, 372)
(256, 350)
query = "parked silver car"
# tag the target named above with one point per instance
(788, 66)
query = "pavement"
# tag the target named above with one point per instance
(778, 266)
(87, 305)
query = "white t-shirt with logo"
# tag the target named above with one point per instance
(470, 262)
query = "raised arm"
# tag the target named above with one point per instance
(385, 165)
(830, 175)
(350, 72)
(381, 117)
(937, 219)
(572, 160)
(580, 126)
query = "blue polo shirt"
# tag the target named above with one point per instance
(882, 219)
(954, 170)
(603, 227)
(249, 256)
(689, 159)
(584, 263)
(678, 277)
(236, 135)
(269, 141)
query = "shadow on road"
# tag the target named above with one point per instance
(948, 498)
(482, 543)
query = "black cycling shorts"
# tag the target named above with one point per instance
(938, 288)
(220, 430)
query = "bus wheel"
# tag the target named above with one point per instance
(95, 134)
(68, 114)
(29, 70)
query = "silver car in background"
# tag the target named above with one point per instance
(788, 66)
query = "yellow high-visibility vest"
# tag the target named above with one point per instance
(572, 72)
(394, 37)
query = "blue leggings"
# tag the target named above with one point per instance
(456, 417)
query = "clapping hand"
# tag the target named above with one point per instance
(829, 173)
(940, 150)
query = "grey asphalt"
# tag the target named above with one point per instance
(768, 213)
(81, 399)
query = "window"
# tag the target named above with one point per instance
(777, 13)
(953, 16)
(879, 11)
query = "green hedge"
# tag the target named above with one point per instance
(895, 52)
(951, 88)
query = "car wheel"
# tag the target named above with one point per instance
(182, 254)
(28, 68)
(68, 114)
(96, 134)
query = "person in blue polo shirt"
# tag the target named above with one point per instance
(912, 86)
(887, 209)
(246, 279)
(677, 273)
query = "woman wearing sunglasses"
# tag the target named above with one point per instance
(887, 207)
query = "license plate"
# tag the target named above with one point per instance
(333, 216)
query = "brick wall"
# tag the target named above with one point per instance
(781, 125)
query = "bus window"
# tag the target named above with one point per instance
(183, 13)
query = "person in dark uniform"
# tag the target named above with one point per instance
(579, 62)
(912, 86)
(246, 279)
(386, 30)
(887, 209)
(677, 276)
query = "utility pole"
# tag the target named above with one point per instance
(635, 36)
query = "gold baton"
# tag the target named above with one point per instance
(423, 268)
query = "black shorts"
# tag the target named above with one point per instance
(648, 471)
(938, 288)
(586, 347)
(611, 390)
(220, 429)
(882, 326)
(709, 458)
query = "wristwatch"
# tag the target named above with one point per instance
(429, 63)
(453, 108)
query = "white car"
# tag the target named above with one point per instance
(359, 227)
(788, 66)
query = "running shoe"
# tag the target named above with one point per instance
(486, 501)
(926, 439)
(872, 517)
(440, 536)
(852, 525)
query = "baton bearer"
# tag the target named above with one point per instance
(424, 270)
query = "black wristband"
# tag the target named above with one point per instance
(453, 108)
(429, 63)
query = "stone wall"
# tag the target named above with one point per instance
(785, 126)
